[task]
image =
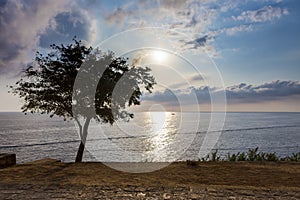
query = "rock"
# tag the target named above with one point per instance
(166, 196)
(7, 160)
(194, 196)
(140, 194)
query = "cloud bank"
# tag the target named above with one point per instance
(27, 25)
(242, 93)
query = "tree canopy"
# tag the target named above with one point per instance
(75, 81)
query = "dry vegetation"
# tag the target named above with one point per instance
(51, 178)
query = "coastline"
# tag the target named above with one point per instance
(51, 178)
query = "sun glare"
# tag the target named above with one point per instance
(159, 56)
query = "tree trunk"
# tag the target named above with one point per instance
(83, 136)
(80, 152)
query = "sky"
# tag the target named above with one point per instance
(206, 55)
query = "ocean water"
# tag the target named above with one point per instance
(150, 136)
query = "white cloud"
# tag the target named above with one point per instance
(188, 17)
(23, 22)
(173, 4)
(195, 19)
(236, 29)
(267, 13)
(229, 5)
(119, 16)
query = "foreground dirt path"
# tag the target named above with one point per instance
(50, 179)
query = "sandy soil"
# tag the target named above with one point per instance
(51, 179)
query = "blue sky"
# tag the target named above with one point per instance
(248, 49)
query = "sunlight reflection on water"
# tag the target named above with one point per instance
(164, 128)
(149, 137)
(34, 137)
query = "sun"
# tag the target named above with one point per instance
(159, 56)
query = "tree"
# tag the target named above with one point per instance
(81, 83)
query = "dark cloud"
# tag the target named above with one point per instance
(193, 22)
(197, 43)
(3, 3)
(21, 22)
(202, 93)
(242, 93)
(197, 77)
(167, 97)
(266, 92)
(200, 41)
(67, 25)
(186, 96)
(27, 25)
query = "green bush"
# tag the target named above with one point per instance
(242, 156)
(295, 157)
(231, 158)
(214, 156)
(251, 155)
(272, 157)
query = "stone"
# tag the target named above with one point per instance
(194, 196)
(7, 160)
(140, 194)
(166, 196)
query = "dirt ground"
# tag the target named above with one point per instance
(51, 179)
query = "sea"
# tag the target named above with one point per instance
(150, 136)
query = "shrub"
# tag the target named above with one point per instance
(294, 157)
(242, 157)
(214, 156)
(251, 155)
(191, 162)
(272, 157)
(231, 158)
